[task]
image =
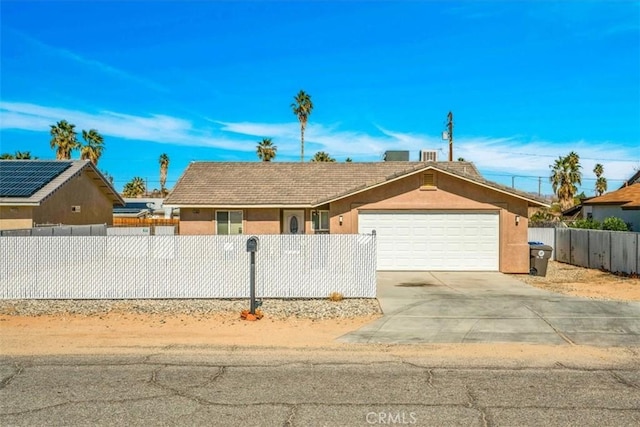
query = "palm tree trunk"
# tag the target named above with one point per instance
(302, 143)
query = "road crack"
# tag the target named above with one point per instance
(6, 381)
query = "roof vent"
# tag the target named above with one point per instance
(428, 156)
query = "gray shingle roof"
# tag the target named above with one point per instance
(301, 184)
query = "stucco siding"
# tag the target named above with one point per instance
(16, 217)
(94, 206)
(195, 221)
(262, 221)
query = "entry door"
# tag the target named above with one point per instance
(293, 222)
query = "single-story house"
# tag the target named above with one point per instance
(623, 203)
(427, 215)
(47, 192)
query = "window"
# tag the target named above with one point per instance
(321, 221)
(229, 222)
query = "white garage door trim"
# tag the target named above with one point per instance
(437, 241)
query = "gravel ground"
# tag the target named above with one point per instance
(558, 272)
(272, 308)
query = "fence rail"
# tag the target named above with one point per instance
(133, 267)
(615, 251)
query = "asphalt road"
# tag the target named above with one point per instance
(264, 387)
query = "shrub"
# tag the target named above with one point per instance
(614, 224)
(589, 224)
(336, 296)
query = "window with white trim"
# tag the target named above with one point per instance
(321, 221)
(228, 222)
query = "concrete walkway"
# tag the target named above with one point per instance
(473, 307)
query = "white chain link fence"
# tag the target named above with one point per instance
(135, 267)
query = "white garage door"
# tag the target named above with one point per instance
(434, 241)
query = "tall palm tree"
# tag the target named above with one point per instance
(164, 168)
(321, 156)
(134, 188)
(565, 174)
(601, 181)
(302, 108)
(64, 139)
(266, 150)
(94, 146)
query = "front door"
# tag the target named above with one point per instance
(293, 222)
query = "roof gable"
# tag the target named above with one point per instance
(304, 184)
(30, 182)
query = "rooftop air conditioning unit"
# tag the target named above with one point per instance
(428, 156)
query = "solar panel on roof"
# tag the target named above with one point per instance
(22, 178)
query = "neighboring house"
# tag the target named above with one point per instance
(635, 179)
(427, 216)
(150, 207)
(46, 192)
(623, 203)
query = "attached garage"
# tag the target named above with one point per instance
(424, 240)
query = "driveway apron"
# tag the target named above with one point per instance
(489, 307)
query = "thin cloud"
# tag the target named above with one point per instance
(155, 128)
(493, 156)
(91, 63)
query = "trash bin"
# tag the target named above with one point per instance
(539, 255)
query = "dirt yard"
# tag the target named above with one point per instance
(584, 282)
(122, 332)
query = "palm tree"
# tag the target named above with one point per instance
(94, 146)
(321, 156)
(601, 181)
(302, 108)
(23, 155)
(348, 160)
(64, 139)
(164, 168)
(7, 156)
(565, 174)
(266, 150)
(134, 188)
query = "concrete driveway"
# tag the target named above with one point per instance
(482, 307)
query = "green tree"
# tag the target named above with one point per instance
(134, 188)
(601, 181)
(94, 146)
(64, 139)
(565, 174)
(348, 160)
(302, 108)
(164, 169)
(7, 156)
(321, 156)
(266, 150)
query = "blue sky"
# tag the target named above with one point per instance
(206, 80)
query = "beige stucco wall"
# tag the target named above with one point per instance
(254, 221)
(450, 194)
(95, 206)
(15, 217)
(196, 221)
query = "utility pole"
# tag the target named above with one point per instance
(539, 186)
(450, 134)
